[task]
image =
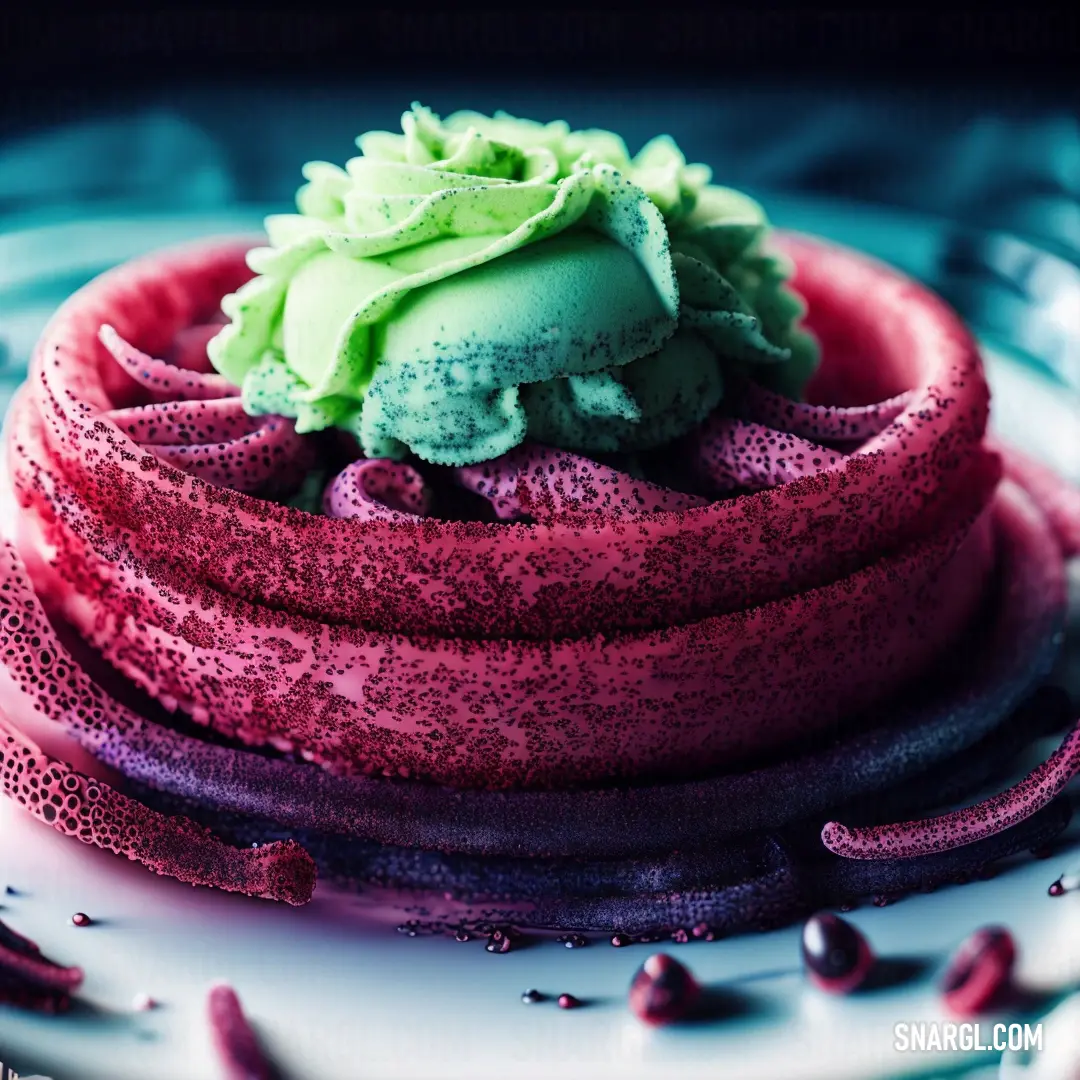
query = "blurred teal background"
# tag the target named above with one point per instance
(978, 197)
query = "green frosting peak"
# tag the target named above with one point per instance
(477, 279)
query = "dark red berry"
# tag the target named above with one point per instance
(979, 971)
(531, 997)
(836, 955)
(568, 1001)
(80, 919)
(462, 935)
(498, 943)
(619, 940)
(1057, 889)
(663, 990)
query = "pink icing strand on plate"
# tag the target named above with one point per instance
(961, 827)
(21, 958)
(31, 981)
(235, 1042)
(77, 805)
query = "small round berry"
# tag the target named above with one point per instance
(80, 918)
(836, 955)
(568, 1001)
(498, 943)
(979, 972)
(663, 990)
(531, 997)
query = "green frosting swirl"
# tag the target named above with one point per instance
(478, 279)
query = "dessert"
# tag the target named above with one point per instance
(535, 531)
